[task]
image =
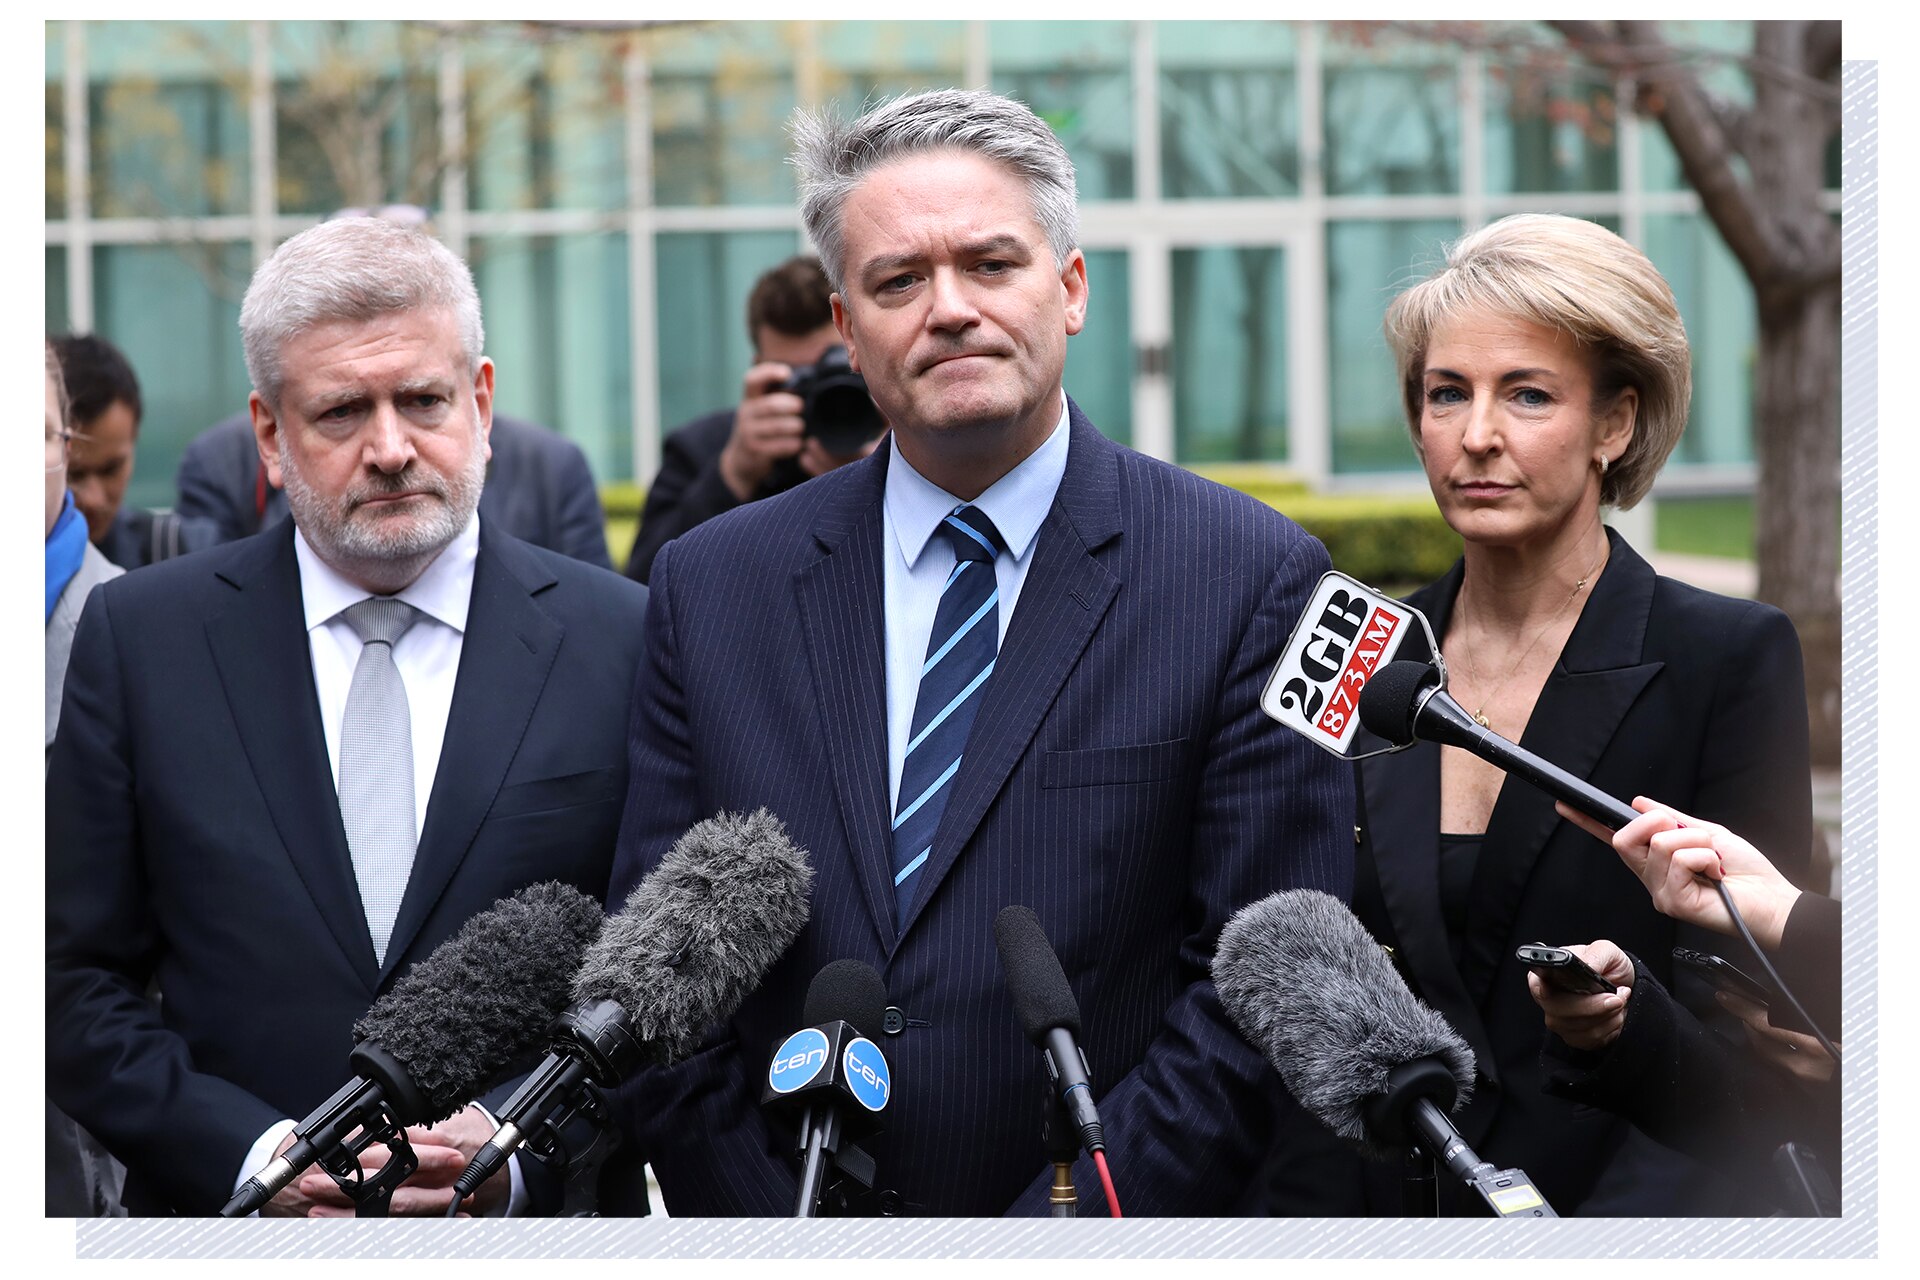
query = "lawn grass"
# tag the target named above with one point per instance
(1719, 526)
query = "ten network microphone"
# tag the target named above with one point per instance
(1306, 985)
(696, 935)
(450, 1024)
(831, 1080)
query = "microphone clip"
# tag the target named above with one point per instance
(371, 1195)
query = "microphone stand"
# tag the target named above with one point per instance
(826, 1149)
(1419, 1186)
(1062, 1142)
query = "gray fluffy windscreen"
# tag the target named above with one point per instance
(701, 930)
(1311, 989)
(487, 995)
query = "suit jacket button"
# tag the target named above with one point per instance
(893, 1024)
(889, 1204)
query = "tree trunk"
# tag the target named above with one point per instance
(1797, 498)
(1797, 381)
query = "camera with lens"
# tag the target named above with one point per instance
(836, 408)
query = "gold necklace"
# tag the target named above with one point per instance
(1480, 713)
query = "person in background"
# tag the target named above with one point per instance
(1637, 1053)
(104, 399)
(760, 447)
(83, 1181)
(1545, 376)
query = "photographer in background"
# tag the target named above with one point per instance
(766, 445)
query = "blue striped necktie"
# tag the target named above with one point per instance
(960, 657)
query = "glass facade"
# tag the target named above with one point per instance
(1252, 195)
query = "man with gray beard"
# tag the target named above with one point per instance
(290, 766)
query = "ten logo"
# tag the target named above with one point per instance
(867, 1076)
(796, 1062)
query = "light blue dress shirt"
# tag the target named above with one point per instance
(918, 565)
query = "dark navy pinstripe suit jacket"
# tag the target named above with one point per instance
(1120, 780)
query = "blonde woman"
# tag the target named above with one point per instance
(1545, 376)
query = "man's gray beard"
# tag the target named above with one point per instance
(368, 549)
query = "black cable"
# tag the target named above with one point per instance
(1746, 935)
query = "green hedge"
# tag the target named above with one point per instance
(1391, 541)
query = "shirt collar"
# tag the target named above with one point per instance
(442, 592)
(1017, 502)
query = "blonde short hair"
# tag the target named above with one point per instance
(1582, 279)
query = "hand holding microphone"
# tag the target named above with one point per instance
(1677, 858)
(449, 1026)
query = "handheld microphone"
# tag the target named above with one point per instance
(449, 1025)
(1306, 985)
(1407, 701)
(695, 936)
(1049, 1015)
(832, 1078)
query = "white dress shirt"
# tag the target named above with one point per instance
(428, 660)
(427, 656)
(918, 565)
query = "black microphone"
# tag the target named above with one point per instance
(1049, 1015)
(695, 936)
(1306, 985)
(449, 1025)
(832, 1079)
(1404, 702)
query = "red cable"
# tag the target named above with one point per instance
(1106, 1183)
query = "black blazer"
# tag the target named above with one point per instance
(689, 490)
(1662, 690)
(1121, 780)
(194, 839)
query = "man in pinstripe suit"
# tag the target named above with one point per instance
(1001, 661)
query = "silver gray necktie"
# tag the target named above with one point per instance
(376, 766)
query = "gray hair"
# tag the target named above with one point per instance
(834, 157)
(351, 269)
(1582, 279)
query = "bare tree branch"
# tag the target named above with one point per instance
(1675, 98)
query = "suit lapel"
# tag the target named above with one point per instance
(1066, 594)
(505, 655)
(841, 601)
(1596, 680)
(266, 671)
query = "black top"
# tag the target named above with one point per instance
(1459, 855)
